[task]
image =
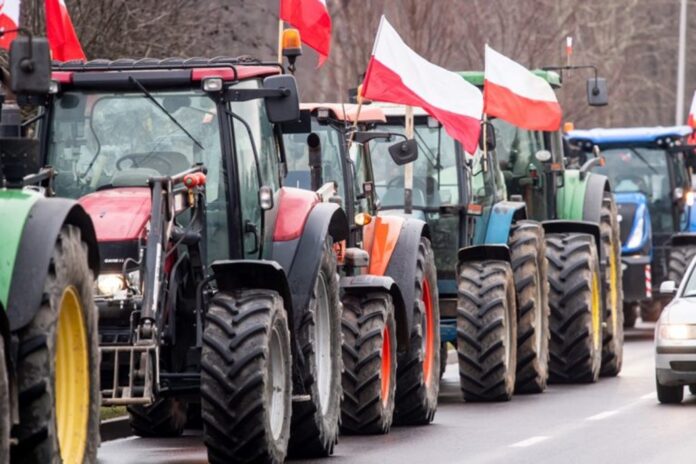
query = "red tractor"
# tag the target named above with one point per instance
(218, 294)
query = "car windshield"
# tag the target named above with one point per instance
(102, 140)
(434, 172)
(690, 286)
(641, 170)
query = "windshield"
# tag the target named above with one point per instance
(690, 287)
(102, 140)
(642, 170)
(434, 172)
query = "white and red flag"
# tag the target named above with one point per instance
(397, 74)
(9, 20)
(692, 113)
(65, 45)
(513, 93)
(311, 18)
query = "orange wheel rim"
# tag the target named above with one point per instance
(386, 366)
(428, 334)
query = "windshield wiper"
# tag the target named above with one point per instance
(422, 143)
(164, 110)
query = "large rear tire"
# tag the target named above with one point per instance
(58, 364)
(315, 423)
(486, 331)
(369, 357)
(679, 259)
(529, 267)
(245, 378)
(576, 309)
(5, 407)
(166, 417)
(612, 277)
(418, 371)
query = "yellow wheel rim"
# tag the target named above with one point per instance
(72, 378)
(596, 312)
(613, 289)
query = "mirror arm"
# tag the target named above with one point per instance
(241, 95)
(589, 164)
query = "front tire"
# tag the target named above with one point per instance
(58, 364)
(166, 417)
(245, 378)
(612, 345)
(369, 357)
(575, 301)
(315, 423)
(418, 376)
(486, 331)
(679, 259)
(529, 267)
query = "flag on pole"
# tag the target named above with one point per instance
(513, 93)
(397, 74)
(65, 45)
(9, 20)
(311, 18)
(692, 113)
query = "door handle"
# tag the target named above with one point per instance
(251, 228)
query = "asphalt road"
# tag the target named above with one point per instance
(616, 420)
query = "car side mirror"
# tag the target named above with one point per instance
(597, 93)
(404, 152)
(283, 108)
(668, 287)
(30, 66)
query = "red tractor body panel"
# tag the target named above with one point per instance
(294, 206)
(118, 214)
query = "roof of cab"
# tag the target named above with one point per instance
(477, 77)
(629, 134)
(394, 110)
(349, 111)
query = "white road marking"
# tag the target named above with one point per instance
(529, 441)
(649, 396)
(602, 415)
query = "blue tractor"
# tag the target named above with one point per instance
(650, 173)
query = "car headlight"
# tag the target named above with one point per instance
(110, 284)
(677, 332)
(636, 237)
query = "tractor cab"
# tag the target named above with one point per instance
(652, 184)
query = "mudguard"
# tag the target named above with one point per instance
(499, 252)
(580, 199)
(364, 283)
(580, 227)
(402, 268)
(502, 216)
(43, 223)
(597, 187)
(683, 238)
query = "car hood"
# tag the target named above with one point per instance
(118, 214)
(680, 311)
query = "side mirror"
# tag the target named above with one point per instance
(314, 148)
(490, 137)
(285, 108)
(543, 156)
(404, 152)
(668, 287)
(597, 93)
(30, 66)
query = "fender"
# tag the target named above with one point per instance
(597, 187)
(380, 237)
(402, 268)
(581, 198)
(499, 252)
(502, 216)
(683, 238)
(44, 221)
(364, 283)
(580, 227)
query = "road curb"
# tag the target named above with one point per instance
(113, 429)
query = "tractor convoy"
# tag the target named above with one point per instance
(192, 243)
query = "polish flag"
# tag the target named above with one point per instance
(513, 93)
(9, 20)
(692, 113)
(311, 18)
(397, 74)
(65, 45)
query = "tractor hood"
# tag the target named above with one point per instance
(118, 214)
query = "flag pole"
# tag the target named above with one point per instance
(484, 159)
(408, 169)
(280, 41)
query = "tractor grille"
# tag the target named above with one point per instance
(627, 211)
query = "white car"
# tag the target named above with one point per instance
(675, 340)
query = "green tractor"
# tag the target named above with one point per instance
(579, 215)
(49, 383)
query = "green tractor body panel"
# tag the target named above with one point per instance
(14, 204)
(570, 200)
(477, 77)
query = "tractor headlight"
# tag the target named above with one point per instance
(110, 284)
(636, 238)
(677, 332)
